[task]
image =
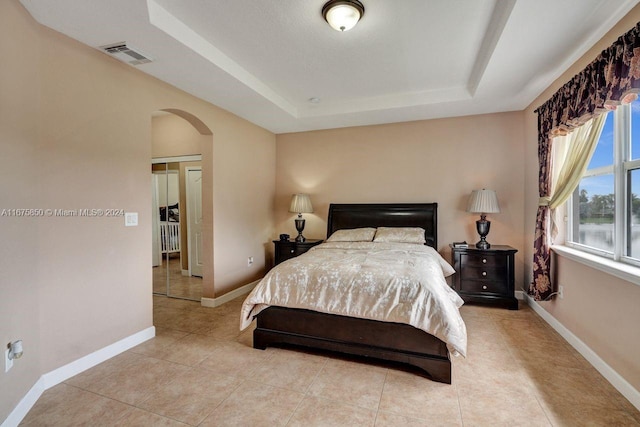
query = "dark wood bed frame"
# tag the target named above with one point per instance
(392, 342)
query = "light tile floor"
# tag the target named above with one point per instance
(200, 370)
(179, 286)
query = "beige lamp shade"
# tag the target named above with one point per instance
(483, 202)
(301, 203)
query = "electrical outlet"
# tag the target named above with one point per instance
(561, 291)
(249, 261)
(8, 363)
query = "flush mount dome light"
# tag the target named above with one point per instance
(342, 15)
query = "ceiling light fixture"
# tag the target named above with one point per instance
(342, 15)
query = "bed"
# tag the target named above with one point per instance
(380, 340)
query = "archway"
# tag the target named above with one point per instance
(182, 147)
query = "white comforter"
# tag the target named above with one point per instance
(392, 282)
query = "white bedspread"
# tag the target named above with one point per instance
(393, 282)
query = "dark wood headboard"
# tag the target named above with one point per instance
(423, 215)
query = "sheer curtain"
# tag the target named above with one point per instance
(613, 78)
(567, 158)
(571, 156)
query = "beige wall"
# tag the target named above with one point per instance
(424, 161)
(75, 132)
(172, 136)
(244, 176)
(20, 299)
(601, 310)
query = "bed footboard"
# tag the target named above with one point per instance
(393, 342)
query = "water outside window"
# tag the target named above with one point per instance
(597, 212)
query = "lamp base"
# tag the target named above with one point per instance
(483, 244)
(482, 226)
(300, 226)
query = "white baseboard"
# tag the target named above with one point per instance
(616, 380)
(89, 361)
(24, 406)
(67, 371)
(242, 290)
(521, 295)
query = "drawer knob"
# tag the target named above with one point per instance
(484, 286)
(484, 260)
(484, 273)
(292, 250)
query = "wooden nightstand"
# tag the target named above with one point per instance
(287, 249)
(485, 275)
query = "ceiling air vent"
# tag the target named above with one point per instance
(126, 53)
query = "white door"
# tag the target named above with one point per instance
(194, 223)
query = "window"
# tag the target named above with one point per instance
(604, 211)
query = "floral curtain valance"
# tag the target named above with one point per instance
(611, 79)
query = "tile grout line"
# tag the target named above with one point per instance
(384, 384)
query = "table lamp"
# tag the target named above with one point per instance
(300, 203)
(483, 202)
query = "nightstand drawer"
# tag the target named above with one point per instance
(287, 249)
(483, 273)
(474, 286)
(475, 260)
(292, 251)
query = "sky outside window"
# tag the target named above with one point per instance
(603, 154)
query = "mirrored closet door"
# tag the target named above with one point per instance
(177, 221)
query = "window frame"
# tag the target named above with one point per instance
(622, 165)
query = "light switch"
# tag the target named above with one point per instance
(130, 219)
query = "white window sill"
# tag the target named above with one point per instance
(621, 270)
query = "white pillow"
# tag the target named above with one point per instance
(353, 235)
(400, 235)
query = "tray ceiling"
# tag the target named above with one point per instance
(278, 64)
